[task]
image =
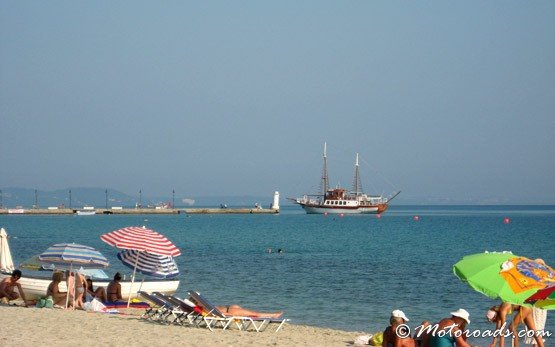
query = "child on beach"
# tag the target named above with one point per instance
(59, 298)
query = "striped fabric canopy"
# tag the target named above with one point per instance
(73, 254)
(141, 239)
(150, 264)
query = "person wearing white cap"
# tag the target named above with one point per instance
(452, 325)
(391, 335)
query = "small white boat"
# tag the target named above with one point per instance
(86, 213)
(36, 286)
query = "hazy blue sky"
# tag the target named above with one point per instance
(442, 99)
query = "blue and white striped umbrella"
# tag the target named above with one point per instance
(70, 254)
(149, 264)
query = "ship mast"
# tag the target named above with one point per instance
(357, 185)
(325, 181)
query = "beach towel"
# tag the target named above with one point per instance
(123, 304)
(540, 316)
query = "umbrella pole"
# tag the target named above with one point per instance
(132, 280)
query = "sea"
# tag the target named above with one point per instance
(343, 272)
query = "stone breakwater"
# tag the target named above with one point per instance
(95, 211)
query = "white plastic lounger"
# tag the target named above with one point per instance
(214, 316)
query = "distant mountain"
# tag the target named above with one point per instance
(87, 196)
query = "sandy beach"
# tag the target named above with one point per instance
(57, 327)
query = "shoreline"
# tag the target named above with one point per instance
(57, 327)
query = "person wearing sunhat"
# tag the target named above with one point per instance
(452, 325)
(390, 334)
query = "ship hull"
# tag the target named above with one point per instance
(319, 209)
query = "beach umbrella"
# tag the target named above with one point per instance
(543, 298)
(6, 261)
(161, 266)
(67, 255)
(504, 275)
(140, 239)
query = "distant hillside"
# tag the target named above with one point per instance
(83, 196)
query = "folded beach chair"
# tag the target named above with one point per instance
(159, 310)
(213, 316)
(182, 311)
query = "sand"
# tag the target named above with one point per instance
(57, 327)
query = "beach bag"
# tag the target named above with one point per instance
(40, 303)
(94, 305)
(376, 339)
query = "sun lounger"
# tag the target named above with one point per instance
(159, 310)
(182, 311)
(213, 316)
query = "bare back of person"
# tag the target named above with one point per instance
(236, 310)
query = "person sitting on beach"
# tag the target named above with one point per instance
(113, 291)
(59, 298)
(7, 288)
(99, 293)
(498, 315)
(449, 331)
(391, 334)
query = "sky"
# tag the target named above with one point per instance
(445, 101)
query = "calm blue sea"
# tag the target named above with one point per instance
(341, 272)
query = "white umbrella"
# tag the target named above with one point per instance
(6, 261)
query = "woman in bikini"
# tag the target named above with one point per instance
(113, 290)
(499, 315)
(236, 310)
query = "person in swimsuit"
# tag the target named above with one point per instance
(59, 298)
(524, 315)
(113, 291)
(99, 293)
(498, 315)
(80, 284)
(236, 310)
(451, 327)
(8, 285)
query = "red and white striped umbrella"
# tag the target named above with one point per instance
(141, 239)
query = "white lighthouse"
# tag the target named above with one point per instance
(275, 204)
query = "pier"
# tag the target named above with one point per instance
(137, 211)
(91, 210)
(231, 211)
(66, 211)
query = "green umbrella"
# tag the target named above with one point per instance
(482, 272)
